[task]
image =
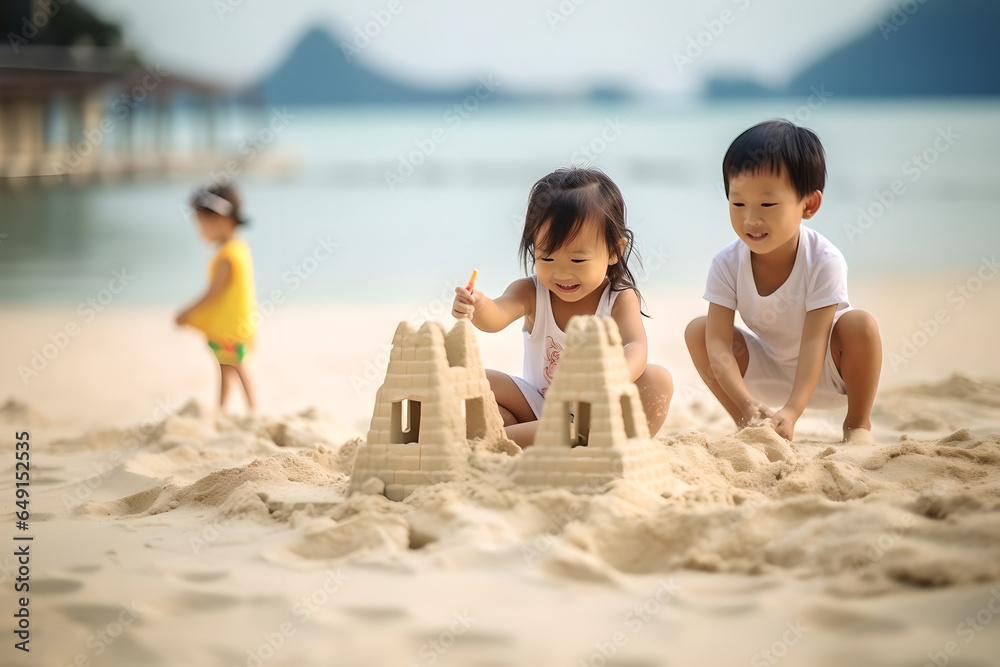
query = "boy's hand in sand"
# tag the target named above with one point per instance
(754, 413)
(783, 422)
(465, 302)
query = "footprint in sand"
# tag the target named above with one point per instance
(850, 622)
(102, 615)
(55, 586)
(200, 577)
(376, 613)
(196, 601)
(471, 637)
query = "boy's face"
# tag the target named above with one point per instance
(766, 211)
(578, 267)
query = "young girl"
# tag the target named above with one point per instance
(577, 241)
(224, 313)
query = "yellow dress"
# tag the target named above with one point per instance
(230, 321)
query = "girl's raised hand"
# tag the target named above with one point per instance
(465, 302)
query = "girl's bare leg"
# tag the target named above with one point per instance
(518, 418)
(244, 376)
(227, 376)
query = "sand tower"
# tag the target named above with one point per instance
(593, 429)
(435, 400)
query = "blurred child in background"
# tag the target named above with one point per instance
(224, 312)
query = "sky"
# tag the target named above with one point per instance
(665, 47)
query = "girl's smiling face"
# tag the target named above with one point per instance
(578, 267)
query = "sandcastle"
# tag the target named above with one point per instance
(436, 401)
(593, 429)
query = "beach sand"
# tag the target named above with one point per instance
(165, 533)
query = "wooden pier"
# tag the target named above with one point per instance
(85, 113)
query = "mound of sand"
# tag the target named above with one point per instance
(916, 512)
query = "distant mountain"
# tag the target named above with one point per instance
(318, 71)
(921, 48)
(322, 71)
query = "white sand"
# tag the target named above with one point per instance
(166, 534)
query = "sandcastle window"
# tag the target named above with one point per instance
(405, 421)
(628, 416)
(577, 423)
(475, 418)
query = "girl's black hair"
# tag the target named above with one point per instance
(204, 199)
(777, 145)
(565, 199)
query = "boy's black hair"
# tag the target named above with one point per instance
(778, 145)
(565, 199)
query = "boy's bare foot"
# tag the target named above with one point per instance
(858, 436)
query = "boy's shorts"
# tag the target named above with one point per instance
(771, 382)
(232, 354)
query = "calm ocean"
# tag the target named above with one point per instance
(393, 204)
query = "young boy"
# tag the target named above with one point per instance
(806, 345)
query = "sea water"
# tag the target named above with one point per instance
(400, 204)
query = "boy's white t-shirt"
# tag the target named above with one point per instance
(818, 279)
